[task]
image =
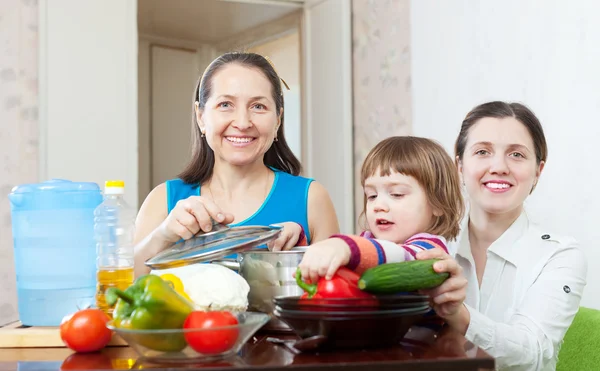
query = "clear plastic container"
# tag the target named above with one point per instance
(113, 230)
(55, 255)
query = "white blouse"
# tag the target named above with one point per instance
(529, 295)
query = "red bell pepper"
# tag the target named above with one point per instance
(343, 284)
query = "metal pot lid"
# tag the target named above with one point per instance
(295, 249)
(214, 245)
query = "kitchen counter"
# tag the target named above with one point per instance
(447, 351)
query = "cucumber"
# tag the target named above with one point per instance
(393, 278)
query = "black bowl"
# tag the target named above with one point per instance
(356, 331)
(350, 312)
(307, 306)
(390, 302)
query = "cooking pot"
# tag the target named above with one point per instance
(269, 274)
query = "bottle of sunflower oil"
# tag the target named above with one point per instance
(114, 227)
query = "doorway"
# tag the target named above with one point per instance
(177, 40)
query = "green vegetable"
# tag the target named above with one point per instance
(393, 278)
(151, 304)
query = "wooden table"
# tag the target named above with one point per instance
(447, 351)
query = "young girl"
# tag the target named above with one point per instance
(412, 202)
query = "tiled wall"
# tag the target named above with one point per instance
(18, 127)
(381, 77)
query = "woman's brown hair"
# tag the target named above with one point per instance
(498, 109)
(279, 156)
(432, 167)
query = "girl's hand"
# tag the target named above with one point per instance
(324, 258)
(288, 238)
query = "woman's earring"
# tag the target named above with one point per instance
(276, 140)
(202, 134)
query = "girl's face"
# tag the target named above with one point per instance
(397, 207)
(499, 167)
(240, 119)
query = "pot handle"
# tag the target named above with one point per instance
(232, 264)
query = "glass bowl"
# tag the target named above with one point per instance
(193, 345)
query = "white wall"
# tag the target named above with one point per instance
(543, 53)
(284, 52)
(327, 115)
(88, 91)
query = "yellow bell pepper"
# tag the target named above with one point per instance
(175, 284)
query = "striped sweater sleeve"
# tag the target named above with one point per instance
(367, 252)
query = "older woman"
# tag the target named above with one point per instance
(524, 281)
(242, 171)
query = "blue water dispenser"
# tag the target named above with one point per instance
(55, 251)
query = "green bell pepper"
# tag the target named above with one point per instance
(151, 304)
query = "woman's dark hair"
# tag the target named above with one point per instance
(501, 110)
(279, 156)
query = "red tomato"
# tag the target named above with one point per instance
(212, 339)
(85, 330)
(343, 284)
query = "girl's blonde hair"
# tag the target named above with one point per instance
(427, 162)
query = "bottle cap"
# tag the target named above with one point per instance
(114, 187)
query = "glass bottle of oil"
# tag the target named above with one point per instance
(113, 229)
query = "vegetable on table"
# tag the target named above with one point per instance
(151, 304)
(216, 332)
(176, 284)
(408, 276)
(343, 284)
(85, 330)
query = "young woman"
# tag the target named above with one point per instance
(524, 281)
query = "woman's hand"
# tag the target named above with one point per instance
(448, 298)
(324, 258)
(288, 238)
(189, 217)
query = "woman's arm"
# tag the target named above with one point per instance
(322, 219)
(532, 336)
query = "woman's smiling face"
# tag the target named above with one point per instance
(240, 119)
(499, 166)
